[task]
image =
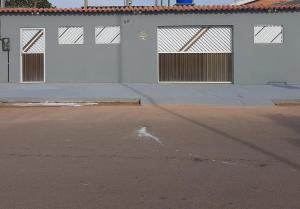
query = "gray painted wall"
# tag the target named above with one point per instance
(135, 60)
(66, 63)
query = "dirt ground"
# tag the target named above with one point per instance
(150, 157)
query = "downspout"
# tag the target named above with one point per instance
(8, 67)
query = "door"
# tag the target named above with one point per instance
(32, 55)
(195, 54)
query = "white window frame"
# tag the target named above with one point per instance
(267, 43)
(100, 43)
(83, 34)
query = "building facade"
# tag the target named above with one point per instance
(224, 44)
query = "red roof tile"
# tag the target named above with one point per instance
(267, 2)
(156, 9)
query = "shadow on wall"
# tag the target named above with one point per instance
(291, 122)
(218, 131)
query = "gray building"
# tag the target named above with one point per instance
(209, 44)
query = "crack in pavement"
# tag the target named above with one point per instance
(194, 158)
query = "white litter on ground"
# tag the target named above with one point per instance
(142, 132)
(54, 104)
(229, 163)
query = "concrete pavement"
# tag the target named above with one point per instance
(152, 156)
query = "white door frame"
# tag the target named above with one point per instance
(21, 52)
(193, 82)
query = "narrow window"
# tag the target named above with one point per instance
(268, 34)
(107, 35)
(70, 35)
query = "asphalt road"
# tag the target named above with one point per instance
(150, 157)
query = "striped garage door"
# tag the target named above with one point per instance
(195, 54)
(33, 54)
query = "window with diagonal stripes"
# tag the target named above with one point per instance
(33, 41)
(268, 34)
(199, 39)
(107, 35)
(70, 35)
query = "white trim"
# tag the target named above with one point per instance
(266, 43)
(44, 55)
(68, 44)
(32, 82)
(192, 82)
(31, 53)
(242, 2)
(187, 52)
(98, 26)
(202, 39)
(21, 52)
(195, 82)
(157, 55)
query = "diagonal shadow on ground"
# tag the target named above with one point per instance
(217, 131)
(291, 122)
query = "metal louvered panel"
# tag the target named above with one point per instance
(33, 41)
(70, 35)
(195, 67)
(33, 67)
(268, 34)
(194, 39)
(107, 35)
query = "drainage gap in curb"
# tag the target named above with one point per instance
(291, 102)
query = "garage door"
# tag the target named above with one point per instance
(195, 54)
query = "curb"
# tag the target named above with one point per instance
(108, 102)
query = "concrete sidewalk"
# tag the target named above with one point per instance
(207, 94)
